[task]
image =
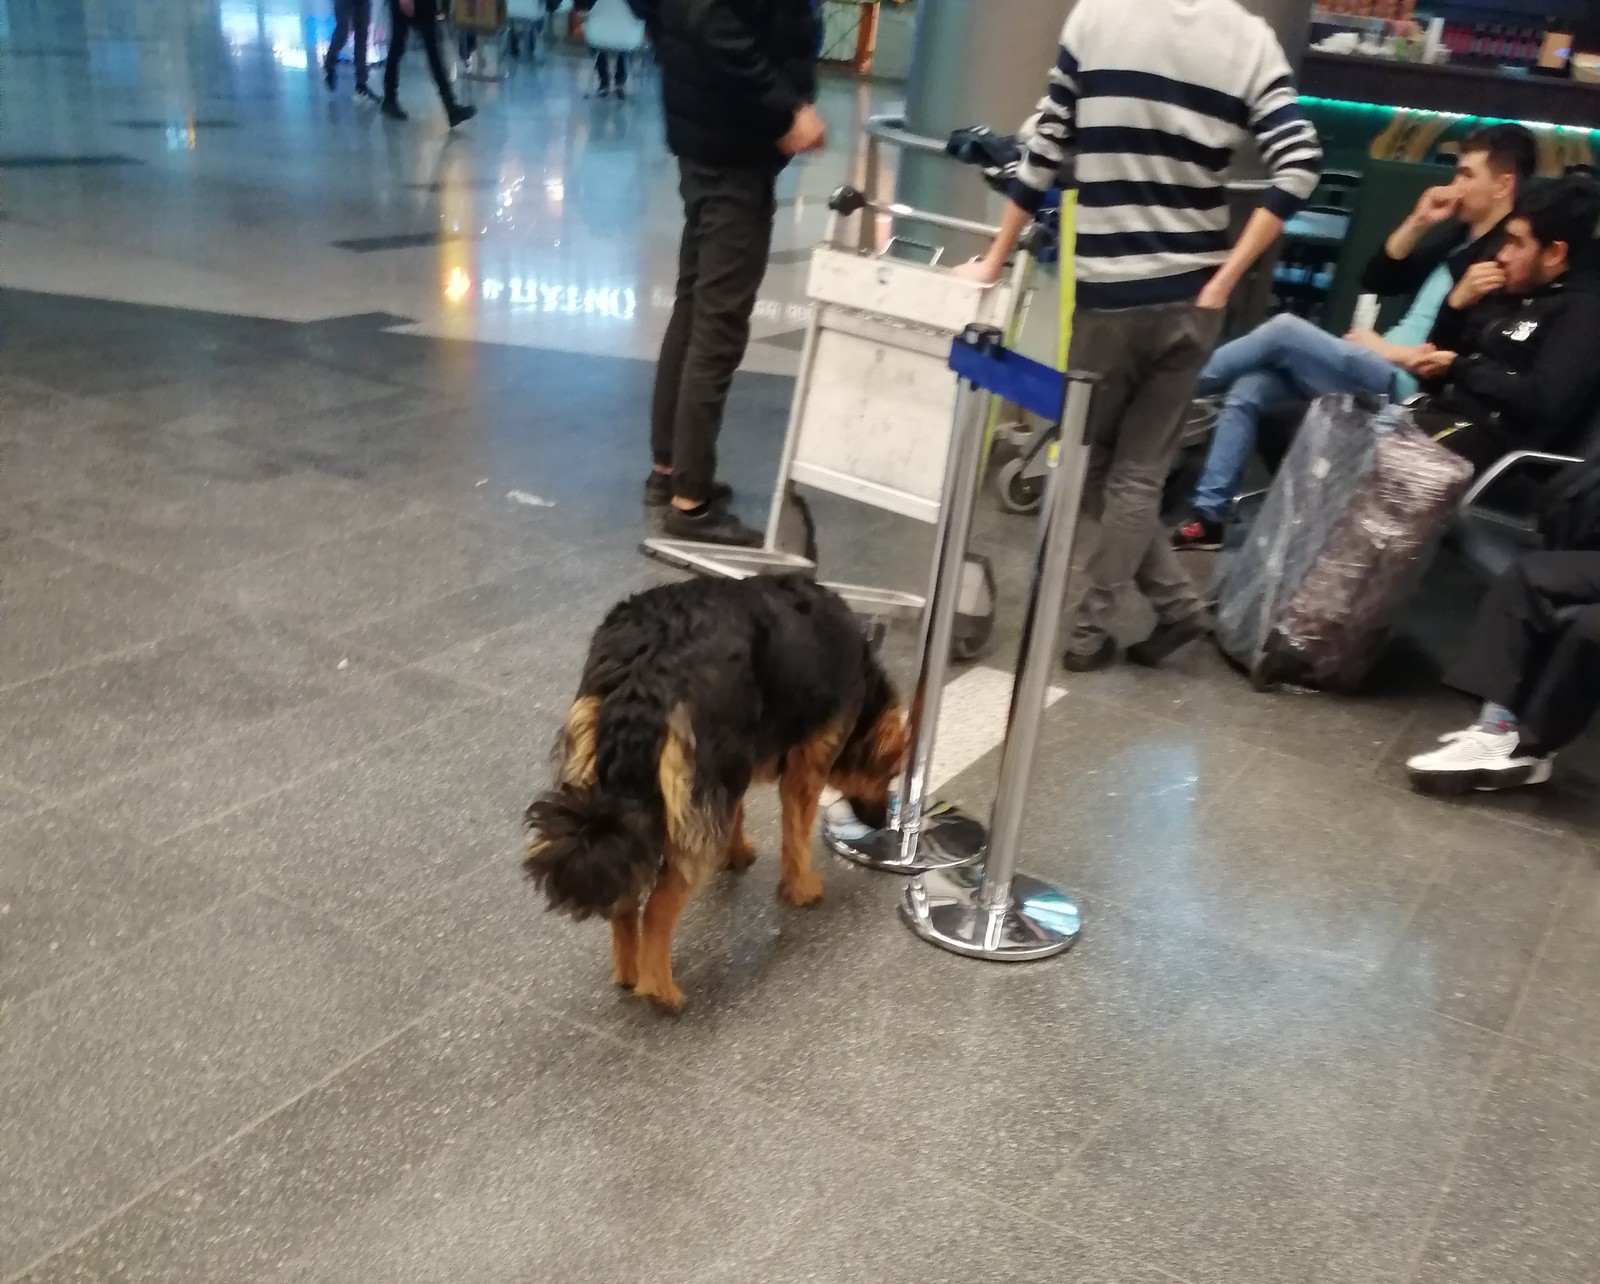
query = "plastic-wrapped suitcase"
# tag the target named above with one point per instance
(1353, 517)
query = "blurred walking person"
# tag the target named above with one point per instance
(424, 16)
(351, 21)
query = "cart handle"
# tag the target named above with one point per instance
(851, 200)
(891, 129)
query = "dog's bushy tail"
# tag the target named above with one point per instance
(587, 850)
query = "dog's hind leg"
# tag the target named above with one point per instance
(805, 771)
(625, 946)
(741, 851)
(661, 914)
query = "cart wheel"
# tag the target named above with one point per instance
(973, 627)
(970, 636)
(797, 529)
(1019, 493)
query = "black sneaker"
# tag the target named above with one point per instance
(603, 92)
(1089, 661)
(364, 94)
(393, 110)
(622, 93)
(1165, 639)
(1201, 535)
(710, 524)
(658, 490)
(460, 115)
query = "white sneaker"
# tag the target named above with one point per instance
(1477, 759)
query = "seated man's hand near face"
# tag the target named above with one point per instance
(1477, 283)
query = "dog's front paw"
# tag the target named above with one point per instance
(623, 978)
(740, 857)
(667, 997)
(802, 890)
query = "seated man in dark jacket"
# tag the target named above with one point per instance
(1529, 380)
(1534, 659)
(738, 79)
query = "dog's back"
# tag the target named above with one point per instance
(687, 691)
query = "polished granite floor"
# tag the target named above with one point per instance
(283, 641)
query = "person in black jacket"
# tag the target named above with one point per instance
(1531, 380)
(1461, 226)
(738, 80)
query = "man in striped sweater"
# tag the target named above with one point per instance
(1149, 102)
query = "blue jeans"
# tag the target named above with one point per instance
(1285, 359)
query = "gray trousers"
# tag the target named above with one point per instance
(1148, 360)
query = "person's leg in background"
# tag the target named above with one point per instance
(1125, 476)
(602, 68)
(1179, 341)
(734, 228)
(399, 32)
(1537, 672)
(343, 19)
(674, 347)
(1316, 362)
(426, 18)
(362, 27)
(622, 74)
(1233, 441)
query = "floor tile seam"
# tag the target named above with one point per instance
(239, 1134)
(44, 536)
(749, 1093)
(122, 653)
(320, 770)
(100, 560)
(368, 621)
(411, 508)
(1499, 818)
(1418, 1255)
(113, 960)
(1027, 1213)
(1444, 863)
(54, 800)
(419, 508)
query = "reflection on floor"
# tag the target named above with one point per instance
(280, 660)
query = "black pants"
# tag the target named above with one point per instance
(350, 17)
(604, 71)
(425, 17)
(727, 234)
(1535, 647)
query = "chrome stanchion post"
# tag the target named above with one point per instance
(923, 837)
(990, 911)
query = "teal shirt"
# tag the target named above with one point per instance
(1417, 324)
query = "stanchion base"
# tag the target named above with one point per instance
(947, 836)
(943, 906)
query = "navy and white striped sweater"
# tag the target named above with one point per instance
(1148, 100)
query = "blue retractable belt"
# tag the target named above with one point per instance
(978, 356)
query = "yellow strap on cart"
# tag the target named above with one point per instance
(1067, 272)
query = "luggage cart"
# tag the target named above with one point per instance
(871, 403)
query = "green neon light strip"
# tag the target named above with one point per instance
(1344, 104)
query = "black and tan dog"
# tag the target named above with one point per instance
(690, 694)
